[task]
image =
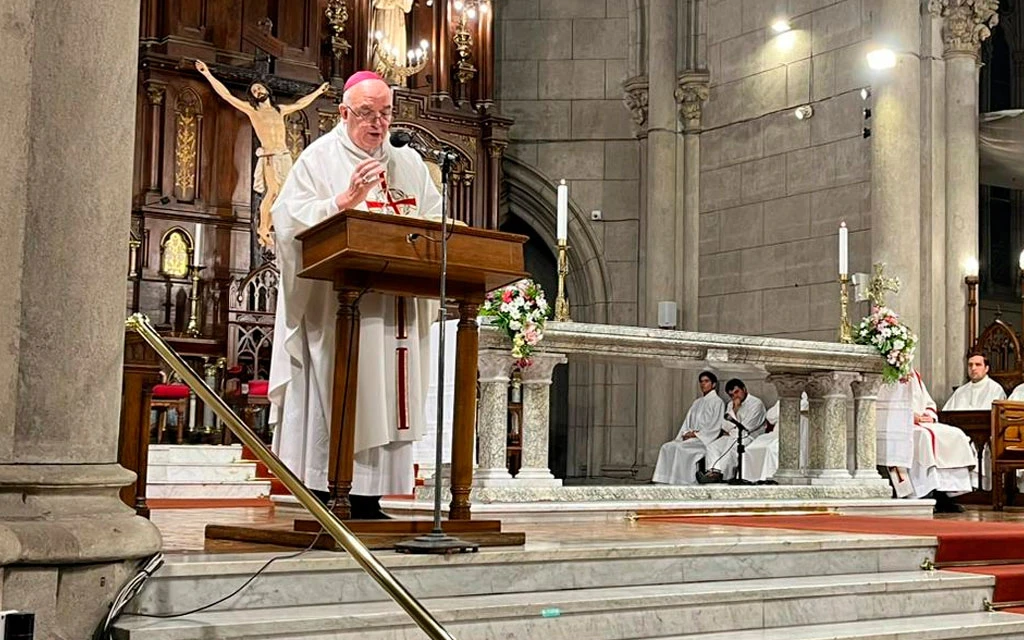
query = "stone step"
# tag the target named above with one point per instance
(612, 613)
(194, 454)
(201, 472)
(963, 626)
(325, 578)
(209, 490)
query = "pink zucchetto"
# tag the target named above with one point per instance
(360, 76)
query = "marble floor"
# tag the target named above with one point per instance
(182, 529)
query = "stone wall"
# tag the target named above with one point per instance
(560, 69)
(773, 188)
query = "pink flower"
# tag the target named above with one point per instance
(506, 296)
(531, 335)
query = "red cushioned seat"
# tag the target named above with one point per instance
(174, 391)
(259, 388)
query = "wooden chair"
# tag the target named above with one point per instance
(1007, 445)
(251, 306)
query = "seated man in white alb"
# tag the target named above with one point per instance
(748, 410)
(980, 392)
(678, 459)
(941, 455)
(761, 457)
(1018, 393)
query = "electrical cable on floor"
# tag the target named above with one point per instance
(135, 585)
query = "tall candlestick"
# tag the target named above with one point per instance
(197, 248)
(844, 250)
(563, 212)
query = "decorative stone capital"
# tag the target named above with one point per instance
(830, 385)
(635, 99)
(691, 93)
(493, 365)
(867, 386)
(541, 367)
(965, 24)
(788, 385)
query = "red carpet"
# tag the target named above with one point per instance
(993, 545)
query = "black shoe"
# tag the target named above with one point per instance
(945, 504)
(710, 477)
(366, 508)
(323, 496)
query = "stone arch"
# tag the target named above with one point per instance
(533, 197)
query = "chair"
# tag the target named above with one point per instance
(251, 305)
(1007, 445)
(172, 396)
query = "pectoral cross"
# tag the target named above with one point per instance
(879, 284)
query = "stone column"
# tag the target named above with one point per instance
(827, 393)
(493, 367)
(865, 395)
(536, 415)
(789, 388)
(965, 25)
(895, 155)
(691, 94)
(67, 542)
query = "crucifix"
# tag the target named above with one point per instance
(879, 284)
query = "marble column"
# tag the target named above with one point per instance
(865, 395)
(691, 94)
(789, 387)
(534, 471)
(965, 25)
(895, 155)
(827, 393)
(493, 368)
(67, 542)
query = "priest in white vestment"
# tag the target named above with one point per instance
(721, 458)
(978, 393)
(352, 167)
(1018, 393)
(941, 456)
(761, 457)
(678, 459)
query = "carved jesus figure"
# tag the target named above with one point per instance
(274, 159)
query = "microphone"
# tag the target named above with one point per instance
(736, 422)
(401, 139)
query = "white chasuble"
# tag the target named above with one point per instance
(389, 401)
(677, 460)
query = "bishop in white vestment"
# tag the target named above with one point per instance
(749, 411)
(678, 459)
(352, 167)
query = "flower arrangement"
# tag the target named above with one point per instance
(519, 310)
(893, 339)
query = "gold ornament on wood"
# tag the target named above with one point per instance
(175, 251)
(188, 111)
(296, 133)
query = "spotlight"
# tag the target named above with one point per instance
(780, 26)
(879, 59)
(867, 114)
(865, 93)
(803, 112)
(866, 133)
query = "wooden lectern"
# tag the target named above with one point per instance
(360, 251)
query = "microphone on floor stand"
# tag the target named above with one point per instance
(740, 428)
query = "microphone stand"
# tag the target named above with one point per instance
(437, 541)
(740, 449)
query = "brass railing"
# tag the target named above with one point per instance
(327, 519)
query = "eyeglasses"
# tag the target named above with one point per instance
(368, 115)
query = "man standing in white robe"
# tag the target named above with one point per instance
(721, 459)
(352, 167)
(678, 459)
(941, 456)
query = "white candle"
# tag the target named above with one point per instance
(844, 257)
(563, 211)
(197, 248)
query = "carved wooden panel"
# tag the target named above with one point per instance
(187, 115)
